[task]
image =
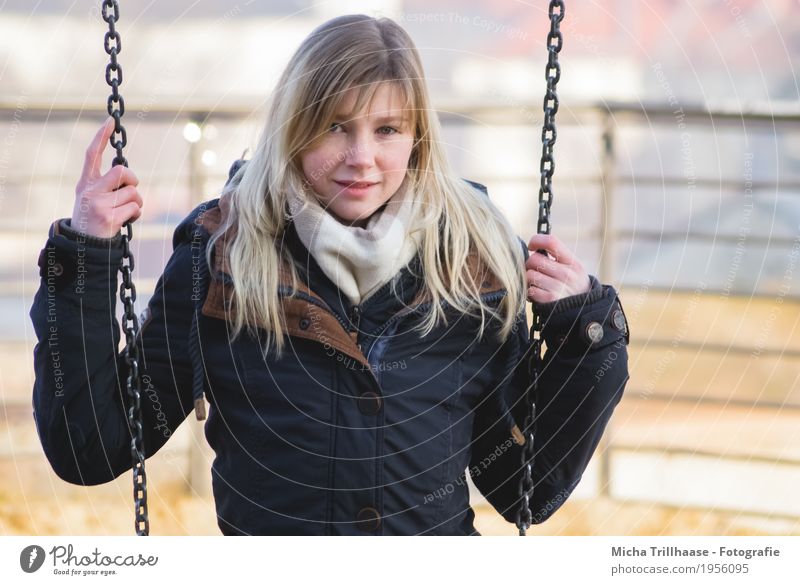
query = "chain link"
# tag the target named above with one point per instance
(524, 517)
(127, 291)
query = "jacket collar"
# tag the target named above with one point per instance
(318, 301)
(380, 305)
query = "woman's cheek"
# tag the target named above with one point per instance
(398, 165)
(314, 165)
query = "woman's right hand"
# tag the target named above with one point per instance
(103, 203)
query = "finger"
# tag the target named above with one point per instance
(124, 196)
(543, 281)
(94, 153)
(123, 213)
(547, 265)
(116, 177)
(110, 204)
(553, 245)
(538, 295)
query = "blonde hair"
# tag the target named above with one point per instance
(456, 220)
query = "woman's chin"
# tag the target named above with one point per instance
(352, 217)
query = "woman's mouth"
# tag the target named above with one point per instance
(356, 184)
(355, 187)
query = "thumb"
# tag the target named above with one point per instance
(94, 153)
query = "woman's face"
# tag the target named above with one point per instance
(362, 159)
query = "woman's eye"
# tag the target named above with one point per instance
(387, 130)
(335, 126)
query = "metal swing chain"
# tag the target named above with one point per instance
(127, 290)
(524, 517)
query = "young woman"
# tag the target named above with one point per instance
(352, 310)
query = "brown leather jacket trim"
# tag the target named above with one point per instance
(317, 324)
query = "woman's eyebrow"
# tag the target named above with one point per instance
(393, 119)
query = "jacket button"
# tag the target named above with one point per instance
(58, 269)
(594, 332)
(304, 323)
(368, 519)
(369, 403)
(618, 320)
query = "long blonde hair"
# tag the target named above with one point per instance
(456, 220)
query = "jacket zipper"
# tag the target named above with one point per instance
(355, 319)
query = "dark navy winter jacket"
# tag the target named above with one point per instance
(363, 427)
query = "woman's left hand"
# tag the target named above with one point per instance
(555, 276)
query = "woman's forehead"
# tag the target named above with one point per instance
(378, 101)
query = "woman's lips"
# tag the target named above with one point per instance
(359, 188)
(356, 185)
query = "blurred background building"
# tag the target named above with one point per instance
(678, 175)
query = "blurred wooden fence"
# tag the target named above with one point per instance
(692, 214)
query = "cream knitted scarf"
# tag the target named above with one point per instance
(358, 260)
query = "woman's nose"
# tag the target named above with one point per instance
(361, 152)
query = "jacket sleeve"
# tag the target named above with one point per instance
(79, 392)
(582, 379)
